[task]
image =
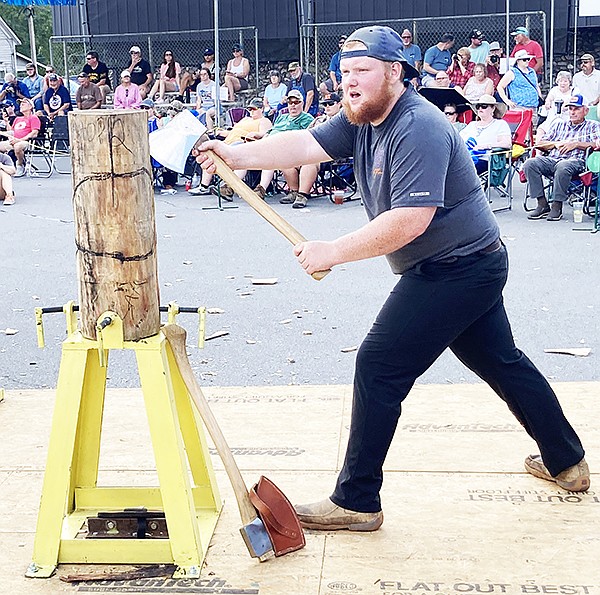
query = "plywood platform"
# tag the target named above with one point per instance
(461, 515)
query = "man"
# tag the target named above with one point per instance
(567, 142)
(437, 58)
(23, 129)
(13, 90)
(335, 76)
(35, 85)
(429, 216)
(304, 83)
(88, 94)
(479, 48)
(300, 180)
(519, 87)
(57, 100)
(533, 48)
(587, 80)
(411, 52)
(7, 171)
(209, 61)
(493, 63)
(140, 70)
(98, 73)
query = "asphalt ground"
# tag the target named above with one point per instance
(296, 331)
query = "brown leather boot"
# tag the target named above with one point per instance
(541, 211)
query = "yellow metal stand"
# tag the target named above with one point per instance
(70, 492)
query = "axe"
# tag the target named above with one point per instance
(278, 513)
(260, 206)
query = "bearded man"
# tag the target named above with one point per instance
(430, 218)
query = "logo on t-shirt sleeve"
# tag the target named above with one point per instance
(419, 194)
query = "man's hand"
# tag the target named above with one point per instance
(567, 146)
(316, 256)
(220, 148)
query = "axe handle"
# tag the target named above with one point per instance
(176, 337)
(260, 206)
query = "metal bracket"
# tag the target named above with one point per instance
(131, 523)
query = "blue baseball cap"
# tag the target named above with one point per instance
(521, 31)
(575, 101)
(382, 43)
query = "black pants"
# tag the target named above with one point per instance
(456, 304)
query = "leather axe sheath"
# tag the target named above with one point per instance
(277, 527)
(260, 206)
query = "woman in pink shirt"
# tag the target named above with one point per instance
(127, 94)
(170, 77)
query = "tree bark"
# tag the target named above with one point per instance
(115, 232)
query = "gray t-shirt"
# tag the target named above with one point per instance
(415, 158)
(5, 159)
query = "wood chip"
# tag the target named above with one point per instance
(216, 335)
(215, 310)
(250, 341)
(286, 321)
(10, 331)
(576, 351)
(187, 262)
(307, 332)
(349, 349)
(170, 215)
(267, 281)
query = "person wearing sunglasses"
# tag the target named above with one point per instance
(127, 94)
(519, 87)
(587, 80)
(411, 51)
(169, 78)
(524, 43)
(451, 113)
(488, 131)
(236, 75)
(98, 73)
(88, 94)
(429, 215)
(331, 84)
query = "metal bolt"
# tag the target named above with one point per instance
(110, 525)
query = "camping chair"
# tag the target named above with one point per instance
(38, 156)
(337, 175)
(59, 145)
(234, 114)
(498, 177)
(590, 205)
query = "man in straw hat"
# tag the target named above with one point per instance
(430, 218)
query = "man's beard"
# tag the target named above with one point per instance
(373, 109)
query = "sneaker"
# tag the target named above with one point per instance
(555, 213)
(300, 202)
(572, 479)
(9, 200)
(289, 198)
(260, 191)
(20, 171)
(199, 190)
(327, 516)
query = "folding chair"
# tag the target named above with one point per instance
(338, 175)
(234, 115)
(498, 177)
(59, 145)
(38, 156)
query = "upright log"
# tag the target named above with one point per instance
(115, 233)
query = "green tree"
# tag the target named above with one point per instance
(16, 18)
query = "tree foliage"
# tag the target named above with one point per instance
(16, 18)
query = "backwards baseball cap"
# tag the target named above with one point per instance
(237, 47)
(381, 43)
(476, 34)
(296, 94)
(575, 101)
(494, 46)
(135, 49)
(521, 31)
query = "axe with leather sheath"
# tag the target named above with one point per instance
(260, 206)
(276, 526)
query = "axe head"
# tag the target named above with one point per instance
(256, 538)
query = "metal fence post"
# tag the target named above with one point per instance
(256, 78)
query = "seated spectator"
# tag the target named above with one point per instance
(236, 75)
(274, 94)
(488, 131)
(587, 80)
(479, 84)
(247, 129)
(57, 100)
(461, 69)
(13, 90)
(209, 61)
(7, 171)
(451, 113)
(190, 80)
(557, 97)
(567, 143)
(437, 59)
(493, 63)
(35, 85)
(411, 51)
(169, 79)
(127, 95)
(141, 71)
(98, 73)
(300, 180)
(335, 74)
(46, 84)
(88, 94)
(519, 87)
(305, 84)
(295, 119)
(442, 81)
(206, 92)
(22, 130)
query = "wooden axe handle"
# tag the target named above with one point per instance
(176, 337)
(260, 206)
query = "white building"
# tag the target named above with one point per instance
(8, 53)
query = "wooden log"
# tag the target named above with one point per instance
(115, 232)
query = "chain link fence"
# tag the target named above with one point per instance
(67, 54)
(319, 41)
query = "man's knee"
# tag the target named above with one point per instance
(568, 167)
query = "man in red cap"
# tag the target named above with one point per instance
(429, 216)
